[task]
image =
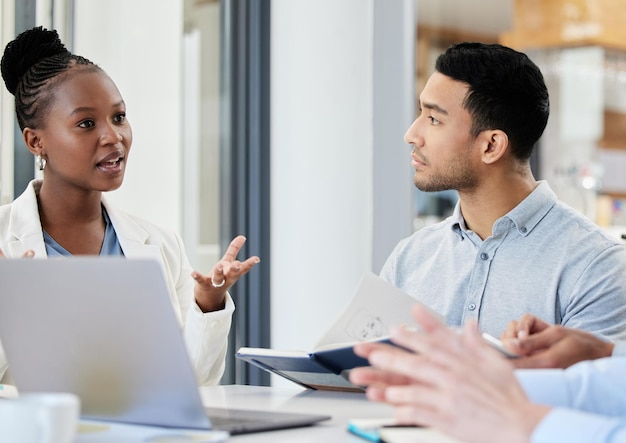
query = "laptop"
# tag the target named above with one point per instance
(105, 329)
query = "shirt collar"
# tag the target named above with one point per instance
(457, 222)
(525, 216)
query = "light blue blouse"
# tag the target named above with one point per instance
(589, 400)
(110, 245)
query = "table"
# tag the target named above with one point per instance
(342, 406)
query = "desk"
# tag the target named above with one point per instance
(341, 406)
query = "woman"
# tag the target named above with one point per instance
(73, 119)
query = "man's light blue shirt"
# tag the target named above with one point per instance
(589, 401)
(543, 258)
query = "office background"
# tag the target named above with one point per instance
(283, 120)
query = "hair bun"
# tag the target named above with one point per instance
(28, 48)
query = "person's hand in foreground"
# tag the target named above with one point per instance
(542, 345)
(210, 290)
(448, 381)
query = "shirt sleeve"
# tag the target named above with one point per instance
(571, 426)
(5, 378)
(619, 350)
(596, 386)
(598, 300)
(206, 336)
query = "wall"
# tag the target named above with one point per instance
(7, 109)
(324, 142)
(144, 59)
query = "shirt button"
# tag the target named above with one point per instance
(471, 306)
(523, 229)
(484, 255)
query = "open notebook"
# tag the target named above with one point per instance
(375, 306)
(105, 329)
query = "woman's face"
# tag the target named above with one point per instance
(85, 137)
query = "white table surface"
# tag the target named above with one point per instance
(340, 406)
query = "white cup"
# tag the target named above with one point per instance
(39, 418)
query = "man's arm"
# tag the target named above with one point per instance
(543, 345)
(597, 302)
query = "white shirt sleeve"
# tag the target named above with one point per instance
(206, 336)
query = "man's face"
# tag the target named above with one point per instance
(444, 152)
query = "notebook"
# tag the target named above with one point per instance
(105, 329)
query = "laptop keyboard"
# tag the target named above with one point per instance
(239, 421)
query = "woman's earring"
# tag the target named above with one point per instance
(41, 162)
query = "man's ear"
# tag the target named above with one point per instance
(33, 141)
(495, 145)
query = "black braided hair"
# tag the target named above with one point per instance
(31, 65)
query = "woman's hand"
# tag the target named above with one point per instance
(210, 291)
(27, 254)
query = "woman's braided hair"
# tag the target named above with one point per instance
(32, 65)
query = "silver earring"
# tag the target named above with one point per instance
(41, 162)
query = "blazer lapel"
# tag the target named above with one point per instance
(135, 242)
(24, 228)
(132, 237)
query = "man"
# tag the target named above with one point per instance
(510, 247)
(459, 385)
